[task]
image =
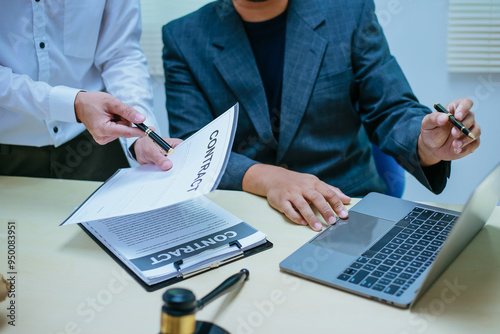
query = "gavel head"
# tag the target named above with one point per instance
(178, 312)
(180, 306)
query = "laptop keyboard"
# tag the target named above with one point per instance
(394, 262)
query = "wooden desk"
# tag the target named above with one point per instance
(65, 283)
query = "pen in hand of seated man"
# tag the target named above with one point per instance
(107, 118)
(454, 121)
(440, 140)
(293, 193)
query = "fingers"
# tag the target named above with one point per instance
(461, 110)
(174, 142)
(300, 212)
(435, 120)
(463, 144)
(295, 194)
(293, 214)
(460, 107)
(310, 217)
(121, 117)
(328, 201)
(148, 152)
(343, 197)
(442, 138)
(115, 130)
(106, 133)
(462, 149)
(157, 157)
(437, 127)
(106, 117)
(127, 112)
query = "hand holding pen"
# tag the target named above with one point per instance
(450, 134)
(454, 121)
(154, 149)
(163, 145)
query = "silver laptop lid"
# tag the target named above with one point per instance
(474, 216)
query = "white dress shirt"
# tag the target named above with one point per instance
(51, 50)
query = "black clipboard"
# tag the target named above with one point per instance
(156, 286)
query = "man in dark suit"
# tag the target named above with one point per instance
(316, 84)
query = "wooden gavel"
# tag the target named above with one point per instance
(180, 307)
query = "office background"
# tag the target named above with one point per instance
(417, 34)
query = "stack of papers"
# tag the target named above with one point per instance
(158, 224)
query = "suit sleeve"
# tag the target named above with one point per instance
(189, 110)
(390, 112)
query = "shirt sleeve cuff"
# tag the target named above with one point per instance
(62, 104)
(150, 122)
(437, 176)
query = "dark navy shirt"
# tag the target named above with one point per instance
(268, 44)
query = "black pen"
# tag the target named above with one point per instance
(156, 139)
(454, 121)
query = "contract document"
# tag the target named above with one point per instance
(199, 163)
(158, 225)
(177, 241)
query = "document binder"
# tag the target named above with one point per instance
(182, 272)
(159, 225)
(209, 259)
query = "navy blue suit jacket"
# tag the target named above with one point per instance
(342, 89)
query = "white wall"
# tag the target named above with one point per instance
(416, 31)
(156, 13)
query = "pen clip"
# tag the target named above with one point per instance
(208, 259)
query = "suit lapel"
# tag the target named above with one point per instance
(237, 66)
(304, 51)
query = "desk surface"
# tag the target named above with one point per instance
(65, 283)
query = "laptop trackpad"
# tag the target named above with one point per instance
(353, 235)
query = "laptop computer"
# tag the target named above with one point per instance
(391, 250)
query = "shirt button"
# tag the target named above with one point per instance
(56, 129)
(42, 45)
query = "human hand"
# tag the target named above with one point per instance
(292, 193)
(440, 140)
(146, 151)
(106, 117)
(4, 288)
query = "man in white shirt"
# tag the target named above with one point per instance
(66, 66)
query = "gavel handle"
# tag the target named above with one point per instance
(226, 286)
